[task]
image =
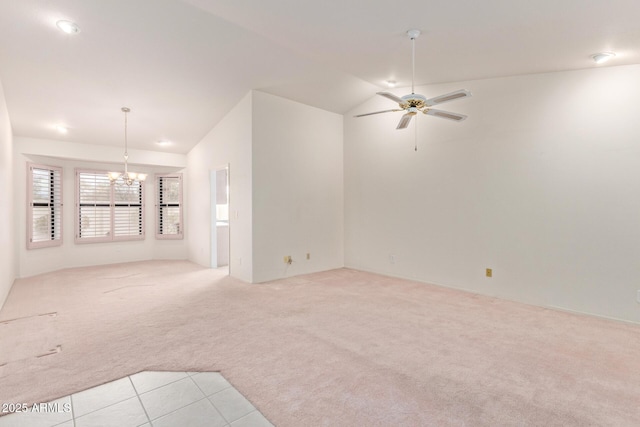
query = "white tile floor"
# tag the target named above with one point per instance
(158, 399)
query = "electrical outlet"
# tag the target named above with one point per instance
(288, 259)
(392, 259)
(308, 255)
(489, 272)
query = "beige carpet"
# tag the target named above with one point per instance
(340, 348)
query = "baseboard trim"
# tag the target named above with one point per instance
(472, 291)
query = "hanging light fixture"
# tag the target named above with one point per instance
(126, 177)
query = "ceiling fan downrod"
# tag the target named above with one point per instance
(413, 35)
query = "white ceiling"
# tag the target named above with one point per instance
(181, 65)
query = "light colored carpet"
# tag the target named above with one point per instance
(339, 348)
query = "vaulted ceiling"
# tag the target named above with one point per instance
(181, 65)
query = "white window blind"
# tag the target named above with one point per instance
(94, 206)
(169, 206)
(107, 212)
(127, 210)
(44, 210)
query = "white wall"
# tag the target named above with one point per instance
(297, 188)
(285, 181)
(70, 156)
(7, 227)
(228, 143)
(540, 183)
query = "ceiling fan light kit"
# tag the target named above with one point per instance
(415, 103)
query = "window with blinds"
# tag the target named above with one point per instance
(169, 206)
(107, 212)
(44, 210)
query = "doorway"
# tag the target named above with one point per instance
(220, 232)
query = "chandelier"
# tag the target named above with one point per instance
(126, 177)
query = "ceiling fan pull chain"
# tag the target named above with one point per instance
(416, 142)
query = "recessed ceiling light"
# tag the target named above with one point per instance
(391, 83)
(62, 129)
(163, 142)
(602, 57)
(68, 27)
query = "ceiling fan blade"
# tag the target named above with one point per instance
(405, 120)
(377, 112)
(445, 115)
(392, 97)
(462, 93)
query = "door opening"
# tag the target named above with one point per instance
(220, 232)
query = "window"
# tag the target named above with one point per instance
(44, 210)
(107, 212)
(169, 206)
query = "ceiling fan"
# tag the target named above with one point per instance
(415, 103)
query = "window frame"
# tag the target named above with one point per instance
(112, 204)
(159, 206)
(56, 219)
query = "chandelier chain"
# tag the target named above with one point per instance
(125, 133)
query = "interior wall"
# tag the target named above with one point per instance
(228, 143)
(7, 226)
(297, 188)
(70, 254)
(540, 184)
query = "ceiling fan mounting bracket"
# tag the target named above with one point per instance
(413, 34)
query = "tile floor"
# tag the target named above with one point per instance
(158, 399)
